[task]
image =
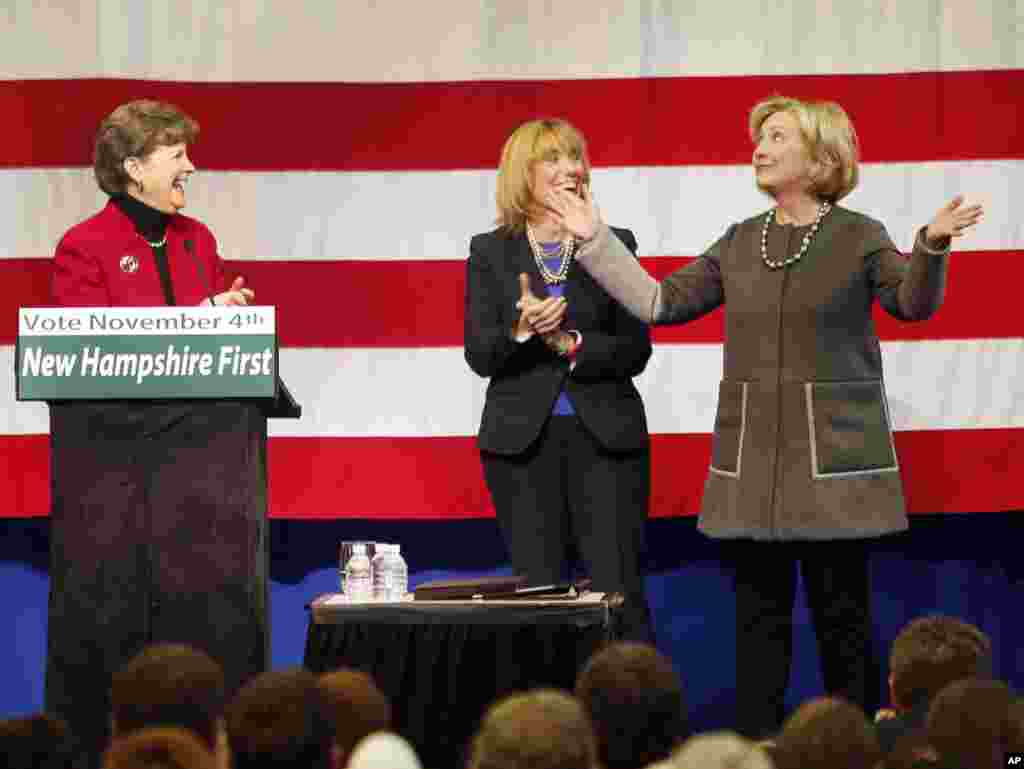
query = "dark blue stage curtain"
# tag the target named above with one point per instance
(969, 566)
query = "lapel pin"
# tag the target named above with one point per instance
(129, 264)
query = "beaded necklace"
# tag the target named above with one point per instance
(823, 209)
(568, 248)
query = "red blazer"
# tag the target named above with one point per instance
(103, 262)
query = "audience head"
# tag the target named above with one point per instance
(911, 750)
(159, 748)
(280, 718)
(932, 652)
(719, 750)
(383, 750)
(973, 722)
(357, 708)
(826, 733)
(169, 685)
(36, 742)
(634, 698)
(539, 729)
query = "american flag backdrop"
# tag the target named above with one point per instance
(348, 152)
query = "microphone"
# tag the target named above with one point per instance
(190, 247)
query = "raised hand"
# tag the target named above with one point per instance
(537, 316)
(952, 220)
(236, 295)
(579, 214)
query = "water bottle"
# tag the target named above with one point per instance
(400, 574)
(381, 574)
(359, 575)
(391, 579)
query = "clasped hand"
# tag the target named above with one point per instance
(234, 296)
(536, 315)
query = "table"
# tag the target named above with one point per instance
(442, 663)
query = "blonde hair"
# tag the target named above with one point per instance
(529, 144)
(828, 135)
(538, 729)
(719, 750)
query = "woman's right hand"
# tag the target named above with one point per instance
(579, 214)
(236, 295)
(537, 316)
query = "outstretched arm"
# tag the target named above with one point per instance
(684, 295)
(914, 289)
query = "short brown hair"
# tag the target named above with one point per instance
(970, 724)
(158, 749)
(136, 129)
(933, 651)
(280, 718)
(171, 685)
(634, 698)
(824, 733)
(529, 144)
(358, 707)
(540, 729)
(829, 136)
(41, 741)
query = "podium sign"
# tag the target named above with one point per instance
(100, 353)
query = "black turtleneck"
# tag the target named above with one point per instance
(151, 225)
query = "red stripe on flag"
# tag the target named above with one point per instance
(962, 471)
(437, 126)
(26, 492)
(955, 471)
(420, 303)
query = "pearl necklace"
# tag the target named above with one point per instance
(565, 252)
(158, 244)
(823, 209)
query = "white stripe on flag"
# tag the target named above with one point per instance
(430, 392)
(324, 40)
(676, 210)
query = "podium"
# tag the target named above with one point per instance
(158, 431)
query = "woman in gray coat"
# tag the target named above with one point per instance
(803, 467)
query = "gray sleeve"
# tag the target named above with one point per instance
(684, 295)
(618, 272)
(696, 289)
(910, 289)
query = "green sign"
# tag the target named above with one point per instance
(146, 352)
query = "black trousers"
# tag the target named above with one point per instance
(567, 492)
(838, 586)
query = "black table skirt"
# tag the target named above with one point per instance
(442, 665)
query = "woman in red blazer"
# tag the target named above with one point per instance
(139, 251)
(563, 439)
(158, 520)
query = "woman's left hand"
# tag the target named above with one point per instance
(237, 295)
(951, 221)
(577, 213)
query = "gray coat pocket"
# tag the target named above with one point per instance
(730, 425)
(849, 428)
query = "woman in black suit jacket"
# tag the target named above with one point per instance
(563, 439)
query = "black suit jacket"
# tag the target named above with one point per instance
(527, 377)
